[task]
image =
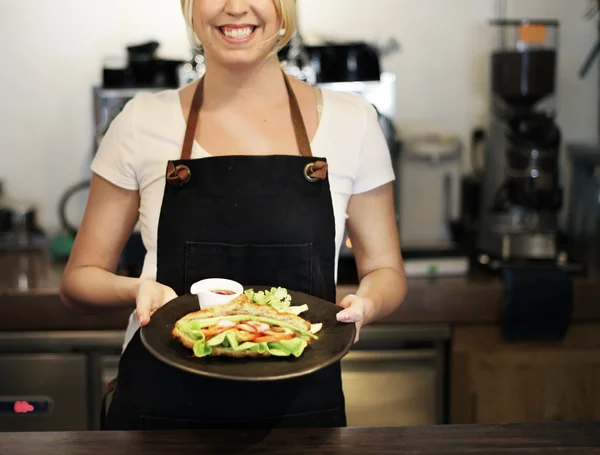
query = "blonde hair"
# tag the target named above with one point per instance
(286, 9)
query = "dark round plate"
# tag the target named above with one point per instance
(335, 340)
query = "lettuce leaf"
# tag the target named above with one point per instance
(277, 298)
(294, 347)
(217, 339)
(193, 330)
(231, 340)
(228, 340)
(201, 349)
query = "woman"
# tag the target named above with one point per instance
(235, 192)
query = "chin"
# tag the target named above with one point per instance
(242, 61)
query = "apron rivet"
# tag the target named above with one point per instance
(308, 171)
(180, 175)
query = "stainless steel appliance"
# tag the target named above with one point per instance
(521, 194)
(43, 392)
(431, 163)
(583, 228)
(55, 381)
(396, 376)
(592, 11)
(347, 62)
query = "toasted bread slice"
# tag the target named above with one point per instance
(222, 352)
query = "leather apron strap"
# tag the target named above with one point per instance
(179, 175)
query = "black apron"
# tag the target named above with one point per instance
(259, 220)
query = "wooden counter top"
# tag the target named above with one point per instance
(461, 300)
(550, 438)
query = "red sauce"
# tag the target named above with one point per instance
(222, 291)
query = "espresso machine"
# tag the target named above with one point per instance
(521, 196)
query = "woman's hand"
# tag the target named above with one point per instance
(150, 297)
(353, 312)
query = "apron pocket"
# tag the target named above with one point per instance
(288, 266)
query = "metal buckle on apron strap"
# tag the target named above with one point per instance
(316, 171)
(178, 175)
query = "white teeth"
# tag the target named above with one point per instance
(237, 33)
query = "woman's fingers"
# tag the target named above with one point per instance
(353, 309)
(353, 312)
(143, 308)
(152, 296)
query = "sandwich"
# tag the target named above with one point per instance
(243, 328)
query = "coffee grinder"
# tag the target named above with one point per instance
(521, 195)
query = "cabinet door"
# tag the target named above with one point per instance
(494, 382)
(391, 388)
(43, 392)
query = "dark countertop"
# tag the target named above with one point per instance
(473, 299)
(547, 438)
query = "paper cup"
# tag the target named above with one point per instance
(216, 291)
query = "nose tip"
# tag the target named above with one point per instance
(237, 7)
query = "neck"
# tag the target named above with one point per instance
(231, 85)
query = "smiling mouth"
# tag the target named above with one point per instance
(237, 33)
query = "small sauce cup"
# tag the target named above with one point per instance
(216, 291)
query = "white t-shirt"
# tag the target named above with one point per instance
(149, 131)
